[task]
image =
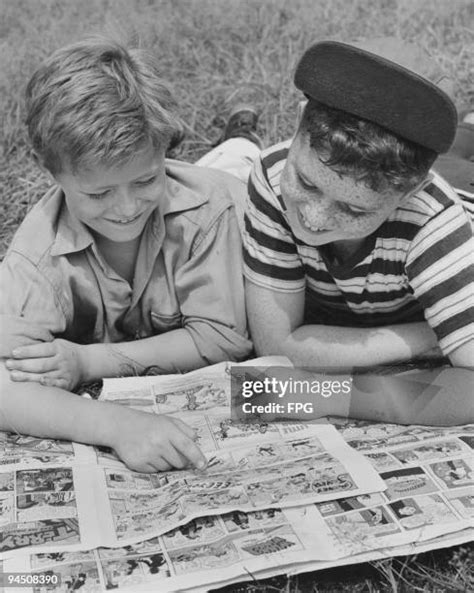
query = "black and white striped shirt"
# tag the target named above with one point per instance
(417, 265)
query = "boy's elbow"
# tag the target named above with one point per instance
(218, 343)
(463, 357)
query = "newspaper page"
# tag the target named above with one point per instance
(43, 502)
(251, 467)
(452, 539)
(23, 451)
(47, 507)
(214, 550)
(416, 503)
(427, 503)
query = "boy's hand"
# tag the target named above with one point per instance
(57, 364)
(149, 443)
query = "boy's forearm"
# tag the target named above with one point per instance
(49, 412)
(329, 346)
(438, 397)
(132, 358)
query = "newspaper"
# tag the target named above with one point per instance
(94, 500)
(23, 451)
(426, 499)
(219, 549)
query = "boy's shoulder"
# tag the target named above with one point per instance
(37, 234)
(267, 171)
(273, 159)
(434, 199)
(197, 196)
(276, 153)
(202, 185)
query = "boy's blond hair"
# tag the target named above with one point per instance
(98, 102)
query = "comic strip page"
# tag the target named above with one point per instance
(252, 465)
(431, 484)
(300, 464)
(184, 557)
(48, 507)
(429, 474)
(23, 451)
(276, 497)
(217, 550)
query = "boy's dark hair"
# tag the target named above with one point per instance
(98, 102)
(364, 150)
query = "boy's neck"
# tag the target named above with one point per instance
(341, 251)
(120, 256)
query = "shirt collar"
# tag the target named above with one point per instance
(71, 234)
(181, 195)
(182, 192)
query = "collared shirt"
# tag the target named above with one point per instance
(188, 272)
(417, 265)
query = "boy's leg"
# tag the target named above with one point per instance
(239, 146)
(234, 156)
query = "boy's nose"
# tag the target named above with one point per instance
(319, 214)
(125, 204)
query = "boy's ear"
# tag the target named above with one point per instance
(39, 163)
(418, 187)
(421, 185)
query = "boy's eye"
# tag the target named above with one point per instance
(308, 186)
(99, 196)
(144, 182)
(355, 210)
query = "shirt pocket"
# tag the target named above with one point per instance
(163, 323)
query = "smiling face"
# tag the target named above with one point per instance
(324, 206)
(116, 202)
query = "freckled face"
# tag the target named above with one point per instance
(325, 207)
(116, 202)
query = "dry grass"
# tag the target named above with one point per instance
(216, 53)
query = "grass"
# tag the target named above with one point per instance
(214, 54)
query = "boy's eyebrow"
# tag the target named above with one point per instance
(107, 187)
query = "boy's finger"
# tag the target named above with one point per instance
(161, 465)
(174, 458)
(20, 376)
(188, 431)
(32, 365)
(188, 448)
(45, 349)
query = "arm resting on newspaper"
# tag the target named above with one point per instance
(145, 442)
(435, 397)
(276, 325)
(64, 364)
(463, 356)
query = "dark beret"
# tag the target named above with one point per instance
(386, 81)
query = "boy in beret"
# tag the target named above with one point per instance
(356, 252)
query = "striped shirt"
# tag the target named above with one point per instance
(417, 265)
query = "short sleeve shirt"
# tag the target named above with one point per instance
(417, 265)
(188, 272)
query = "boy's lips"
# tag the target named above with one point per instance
(125, 220)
